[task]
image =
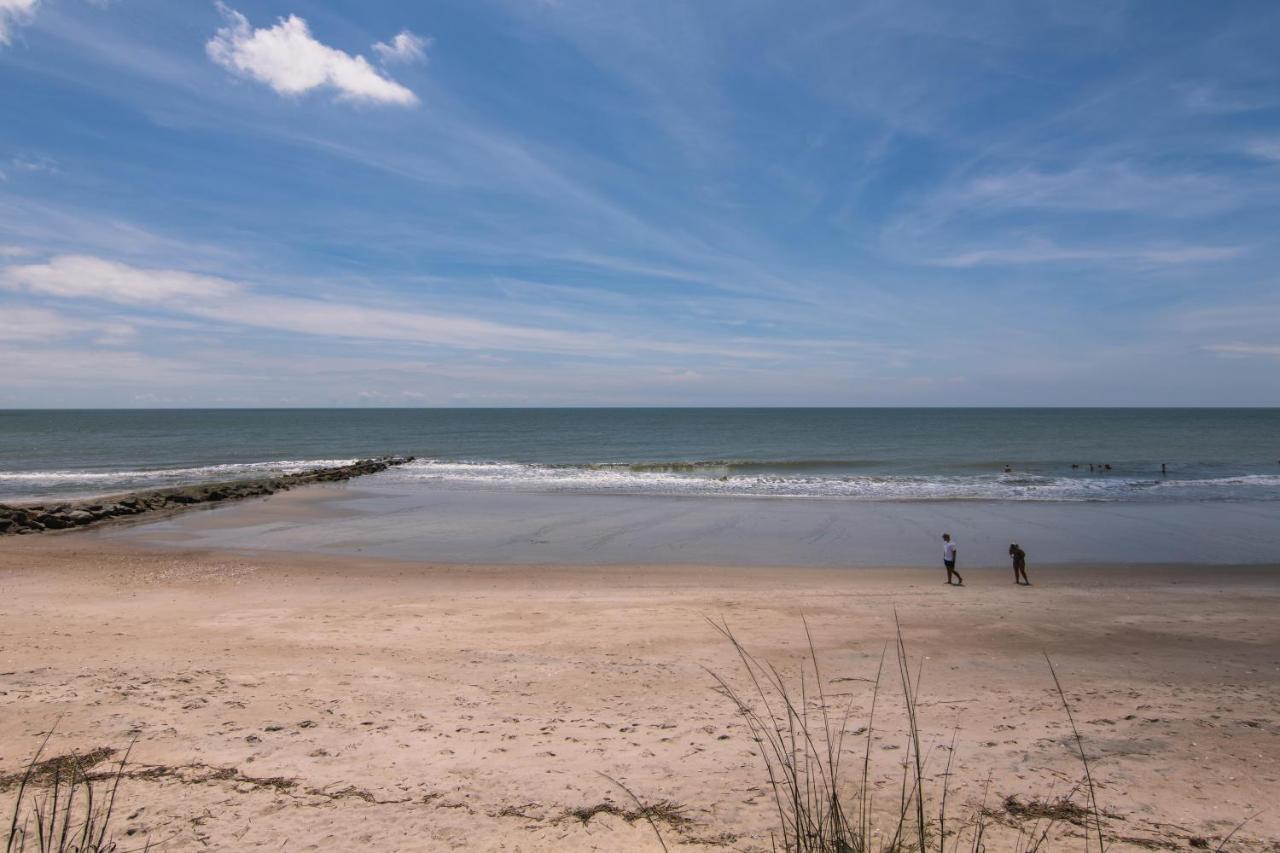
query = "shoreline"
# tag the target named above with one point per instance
(363, 702)
(394, 520)
(78, 548)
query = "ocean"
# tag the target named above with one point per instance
(1047, 454)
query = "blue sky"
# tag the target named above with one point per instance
(563, 202)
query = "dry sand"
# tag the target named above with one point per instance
(294, 702)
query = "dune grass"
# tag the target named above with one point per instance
(820, 809)
(64, 806)
(61, 807)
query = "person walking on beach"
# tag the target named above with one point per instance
(1019, 557)
(949, 558)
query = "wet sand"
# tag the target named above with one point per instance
(305, 702)
(373, 517)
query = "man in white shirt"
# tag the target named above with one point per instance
(949, 558)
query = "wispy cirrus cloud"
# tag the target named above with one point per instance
(289, 59)
(1214, 99)
(1238, 318)
(1117, 187)
(404, 47)
(1044, 252)
(1264, 149)
(66, 367)
(78, 278)
(42, 325)
(35, 163)
(84, 277)
(13, 13)
(1244, 350)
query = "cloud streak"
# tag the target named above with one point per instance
(405, 47)
(1244, 350)
(13, 13)
(1117, 187)
(1049, 253)
(214, 298)
(41, 325)
(84, 277)
(1265, 149)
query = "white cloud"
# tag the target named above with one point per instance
(13, 12)
(35, 324)
(1265, 149)
(38, 163)
(40, 325)
(79, 277)
(1108, 188)
(94, 369)
(1207, 98)
(405, 47)
(1244, 350)
(1187, 254)
(1045, 252)
(290, 60)
(1240, 320)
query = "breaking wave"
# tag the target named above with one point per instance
(847, 479)
(37, 484)
(799, 479)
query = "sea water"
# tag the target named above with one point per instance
(1046, 454)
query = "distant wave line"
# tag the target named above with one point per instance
(73, 475)
(800, 478)
(623, 478)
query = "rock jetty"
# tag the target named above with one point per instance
(63, 515)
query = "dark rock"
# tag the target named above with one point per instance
(32, 518)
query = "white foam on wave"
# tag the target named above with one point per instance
(621, 478)
(1015, 486)
(73, 481)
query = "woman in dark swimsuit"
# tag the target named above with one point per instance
(1019, 564)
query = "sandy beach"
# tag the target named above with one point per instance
(534, 426)
(293, 701)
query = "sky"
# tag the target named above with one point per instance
(669, 202)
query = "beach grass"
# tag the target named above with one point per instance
(827, 794)
(63, 807)
(818, 808)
